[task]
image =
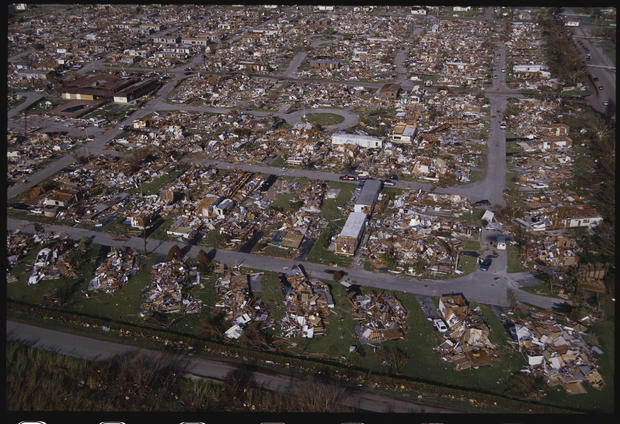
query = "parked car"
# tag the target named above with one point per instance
(485, 264)
(600, 87)
(389, 183)
(440, 325)
(348, 178)
(502, 125)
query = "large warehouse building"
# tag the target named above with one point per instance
(107, 87)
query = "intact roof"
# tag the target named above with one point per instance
(354, 225)
(369, 193)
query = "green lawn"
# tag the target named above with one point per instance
(610, 49)
(279, 252)
(278, 162)
(155, 186)
(286, 202)
(514, 264)
(19, 290)
(320, 254)
(160, 231)
(124, 303)
(329, 208)
(425, 364)
(37, 107)
(324, 118)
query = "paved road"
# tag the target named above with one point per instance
(489, 287)
(606, 78)
(295, 62)
(94, 349)
(31, 97)
(492, 186)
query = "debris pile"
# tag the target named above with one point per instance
(467, 341)
(382, 317)
(557, 352)
(308, 302)
(167, 292)
(236, 297)
(114, 272)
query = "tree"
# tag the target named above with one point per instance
(203, 260)
(393, 358)
(236, 384)
(175, 253)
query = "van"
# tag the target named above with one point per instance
(501, 242)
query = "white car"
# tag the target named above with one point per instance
(440, 325)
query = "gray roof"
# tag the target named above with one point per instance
(369, 193)
(354, 225)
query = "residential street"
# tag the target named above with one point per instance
(490, 287)
(487, 287)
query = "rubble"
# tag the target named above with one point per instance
(115, 270)
(556, 352)
(467, 341)
(308, 303)
(381, 316)
(168, 291)
(236, 297)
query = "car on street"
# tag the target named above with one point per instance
(502, 125)
(485, 264)
(606, 102)
(600, 87)
(348, 178)
(389, 183)
(595, 78)
(440, 325)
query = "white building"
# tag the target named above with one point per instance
(365, 141)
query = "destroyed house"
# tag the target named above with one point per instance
(368, 197)
(58, 198)
(573, 217)
(318, 64)
(389, 91)
(403, 133)
(453, 308)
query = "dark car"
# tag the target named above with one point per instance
(394, 177)
(482, 203)
(19, 205)
(485, 264)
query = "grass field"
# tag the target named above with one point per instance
(514, 264)
(329, 208)
(324, 118)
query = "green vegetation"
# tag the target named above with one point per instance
(286, 202)
(320, 253)
(278, 162)
(279, 252)
(560, 52)
(37, 108)
(324, 118)
(514, 263)
(50, 292)
(329, 208)
(48, 381)
(14, 103)
(160, 232)
(155, 186)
